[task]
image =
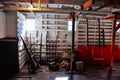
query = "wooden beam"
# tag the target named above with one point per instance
(87, 4)
(39, 2)
(34, 1)
(36, 9)
(84, 4)
(33, 9)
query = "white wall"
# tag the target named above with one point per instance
(11, 24)
(2, 25)
(22, 54)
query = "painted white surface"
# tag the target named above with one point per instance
(2, 25)
(11, 24)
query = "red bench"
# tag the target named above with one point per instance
(86, 53)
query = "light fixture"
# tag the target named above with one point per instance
(78, 7)
(61, 78)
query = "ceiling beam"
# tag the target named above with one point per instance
(72, 2)
(26, 1)
(20, 0)
(53, 10)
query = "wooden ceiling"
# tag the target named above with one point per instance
(62, 5)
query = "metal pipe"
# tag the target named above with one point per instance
(99, 30)
(73, 38)
(87, 32)
(103, 36)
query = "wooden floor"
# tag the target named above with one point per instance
(89, 73)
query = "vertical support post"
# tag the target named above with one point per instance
(113, 33)
(113, 43)
(103, 36)
(39, 6)
(56, 46)
(112, 48)
(30, 39)
(99, 30)
(73, 31)
(40, 47)
(73, 38)
(87, 32)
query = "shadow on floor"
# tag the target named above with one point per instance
(89, 73)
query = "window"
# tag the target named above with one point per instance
(70, 25)
(29, 25)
